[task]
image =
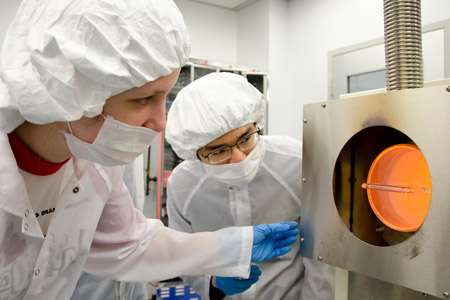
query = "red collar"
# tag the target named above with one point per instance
(30, 162)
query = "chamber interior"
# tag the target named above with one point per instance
(399, 187)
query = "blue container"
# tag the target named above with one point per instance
(181, 292)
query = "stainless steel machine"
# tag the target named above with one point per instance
(376, 176)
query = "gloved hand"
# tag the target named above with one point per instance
(272, 240)
(235, 285)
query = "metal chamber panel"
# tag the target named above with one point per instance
(418, 260)
(368, 288)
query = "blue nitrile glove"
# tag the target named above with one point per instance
(272, 240)
(235, 285)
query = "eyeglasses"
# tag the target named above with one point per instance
(225, 153)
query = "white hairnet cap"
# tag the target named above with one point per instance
(61, 59)
(210, 107)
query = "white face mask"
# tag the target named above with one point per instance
(240, 173)
(116, 144)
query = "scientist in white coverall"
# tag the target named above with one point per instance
(233, 176)
(82, 91)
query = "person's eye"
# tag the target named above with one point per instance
(143, 101)
(218, 152)
(246, 139)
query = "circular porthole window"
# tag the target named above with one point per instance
(382, 186)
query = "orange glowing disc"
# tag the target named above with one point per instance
(399, 187)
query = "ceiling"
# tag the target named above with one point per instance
(235, 5)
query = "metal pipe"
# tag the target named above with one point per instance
(403, 44)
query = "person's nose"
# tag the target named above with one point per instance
(157, 117)
(236, 155)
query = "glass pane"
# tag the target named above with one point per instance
(366, 81)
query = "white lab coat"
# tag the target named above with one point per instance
(198, 203)
(96, 228)
(97, 288)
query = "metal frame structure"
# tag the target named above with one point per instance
(420, 262)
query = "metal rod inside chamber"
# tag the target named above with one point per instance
(395, 189)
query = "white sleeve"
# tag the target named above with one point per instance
(163, 253)
(128, 247)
